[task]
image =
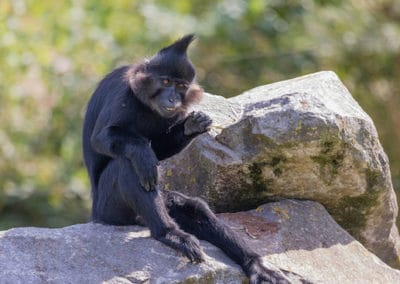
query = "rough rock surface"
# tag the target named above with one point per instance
(305, 138)
(297, 236)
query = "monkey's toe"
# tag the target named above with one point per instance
(265, 273)
(184, 243)
(192, 250)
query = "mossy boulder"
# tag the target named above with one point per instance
(305, 138)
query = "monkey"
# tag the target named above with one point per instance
(138, 116)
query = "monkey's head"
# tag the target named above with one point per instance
(166, 82)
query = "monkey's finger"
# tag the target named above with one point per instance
(153, 185)
(146, 186)
(204, 120)
(198, 115)
(191, 114)
(205, 124)
(202, 117)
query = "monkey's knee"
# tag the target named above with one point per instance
(199, 207)
(183, 207)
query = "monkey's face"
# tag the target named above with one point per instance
(168, 98)
(165, 82)
(165, 95)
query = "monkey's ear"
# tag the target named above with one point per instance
(140, 81)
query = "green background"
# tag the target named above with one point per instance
(53, 53)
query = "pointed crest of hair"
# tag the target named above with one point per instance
(173, 61)
(180, 46)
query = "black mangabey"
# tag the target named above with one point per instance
(136, 117)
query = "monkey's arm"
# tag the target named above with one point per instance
(113, 138)
(181, 135)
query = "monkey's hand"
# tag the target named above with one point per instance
(145, 163)
(197, 123)
(148, 173)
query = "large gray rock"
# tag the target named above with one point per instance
(304, 138)
(297, 236)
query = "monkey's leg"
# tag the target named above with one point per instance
(151, 209)
(108, 206)
(194, 216)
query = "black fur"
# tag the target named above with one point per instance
(136, 117)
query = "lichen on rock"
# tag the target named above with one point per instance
(305, 138)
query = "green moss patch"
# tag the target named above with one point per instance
(256, 176)
(330, 157)
(352, 213)
(372, 177)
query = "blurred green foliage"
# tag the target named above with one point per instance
(53, 53)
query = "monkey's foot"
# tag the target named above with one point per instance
(184, 243)
(260, 273)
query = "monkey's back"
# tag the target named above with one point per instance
(110, 86)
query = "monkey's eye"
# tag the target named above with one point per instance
(181, 85)
(166, 82)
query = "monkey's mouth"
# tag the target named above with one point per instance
(168, 111)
